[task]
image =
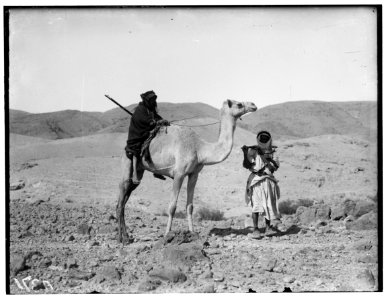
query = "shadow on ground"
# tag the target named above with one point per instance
(228, 231)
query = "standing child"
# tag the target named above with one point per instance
(262, 187)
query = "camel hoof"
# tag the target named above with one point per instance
(126, 240)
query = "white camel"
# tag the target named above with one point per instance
(179, 152)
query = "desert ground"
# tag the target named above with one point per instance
(63, 227)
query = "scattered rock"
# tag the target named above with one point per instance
(18, 264)
(56, 268)
(213, 251)
(84, 229)
(305, 215)
(364, 207)
(344, 287)
(27, 165)
(108, 273)
(348, 219)
(217, 277)
(168, 274)
(320, 224)
(177, 238)
(71, 263)
(368, 259)
(44, 263)
(365, 222)
(358, 169)
(80, 275)
(323, 212)
(270, 264)
(209, 288)
(207, 275)
(149, 284)
(366, 280)
(289, 279)
(363, 246)
(70, 238)
(94, 263)
(247, 257)
(341, 211)
(36, 285)
(94, 243)
(17, 185)
(122, 253)
(185, 254)
(73, 283)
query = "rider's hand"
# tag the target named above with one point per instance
(163, 123)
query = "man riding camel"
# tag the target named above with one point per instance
(143, 121)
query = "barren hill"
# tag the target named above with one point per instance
(304, 119)
(294, 120)
(57, 125)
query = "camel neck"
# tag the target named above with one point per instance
(214, 153)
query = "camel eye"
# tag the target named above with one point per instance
(239, 105)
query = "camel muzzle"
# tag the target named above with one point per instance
(250, 107)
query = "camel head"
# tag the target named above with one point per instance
(238, 109)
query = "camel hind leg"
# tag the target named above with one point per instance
(176, 187)
(192, 181)
(126, 187)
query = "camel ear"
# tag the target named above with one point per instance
(230, 103)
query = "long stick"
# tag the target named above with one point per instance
(119, 105)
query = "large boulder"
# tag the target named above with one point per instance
(364, 207)
(365, 222)
(308, 215)
(352, 208)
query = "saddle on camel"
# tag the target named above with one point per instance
(145, 123)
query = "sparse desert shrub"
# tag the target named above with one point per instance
(303, 144)
(305, 202)
(210, 214)
(289, 207)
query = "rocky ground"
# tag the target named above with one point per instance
(63, 227)
(76, 251)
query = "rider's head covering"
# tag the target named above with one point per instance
(149, 99)
(264, 140)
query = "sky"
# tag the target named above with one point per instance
(70, 58)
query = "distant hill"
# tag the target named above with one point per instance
(304, 119)
(300, 119)
(57, 125)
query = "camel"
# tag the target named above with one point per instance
(177, 152)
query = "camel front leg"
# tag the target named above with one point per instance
(192, 181)
(176, 187)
